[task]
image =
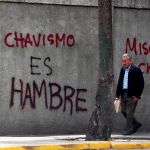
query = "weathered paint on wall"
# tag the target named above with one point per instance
(49, 68)
(58, 2)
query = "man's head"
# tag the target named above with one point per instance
(126, 60)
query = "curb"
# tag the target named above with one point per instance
(85, 146)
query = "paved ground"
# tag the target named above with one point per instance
(136, 141)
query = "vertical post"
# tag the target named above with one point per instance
(101, 119)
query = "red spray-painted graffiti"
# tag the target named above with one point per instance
(139, 49)
(63, 96)
(53, 95)
(14, 39)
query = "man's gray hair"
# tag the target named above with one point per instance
(127, 55)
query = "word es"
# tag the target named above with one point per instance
(54, 95)
(139, 48)
(34, 65)
(14, 39)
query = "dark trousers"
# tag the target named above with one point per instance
(128, 108)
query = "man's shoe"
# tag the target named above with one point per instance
(136, 127)
(126, 132)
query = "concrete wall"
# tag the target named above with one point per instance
(58, 2)
(60, 55)
(54, 49)
(131, 26)
(143, 4)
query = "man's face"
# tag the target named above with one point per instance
(126, 62)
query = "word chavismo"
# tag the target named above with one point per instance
(14, 39)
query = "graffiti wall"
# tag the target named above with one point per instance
(131, 34)
(48, 68)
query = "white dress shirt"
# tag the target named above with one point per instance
(125, 79)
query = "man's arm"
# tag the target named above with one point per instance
(140, 81)
(118, 90)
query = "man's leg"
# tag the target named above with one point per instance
(128, 108)
(132, 123)
(135, 122)
(123, 107)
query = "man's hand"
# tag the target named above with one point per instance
(135, 99)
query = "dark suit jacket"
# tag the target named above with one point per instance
(135, 82)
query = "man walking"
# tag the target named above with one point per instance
(130, 87)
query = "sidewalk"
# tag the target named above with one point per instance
(74, 142)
